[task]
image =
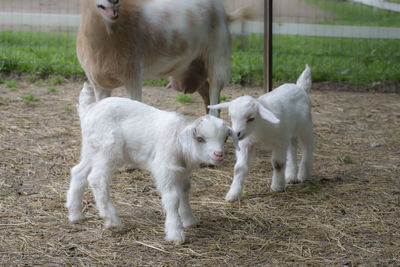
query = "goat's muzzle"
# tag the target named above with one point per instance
(110, 12)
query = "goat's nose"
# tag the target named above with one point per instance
(218, 154)
(239, 134)
(113, 1)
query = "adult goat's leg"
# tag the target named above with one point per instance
(204, 92)
(134, 84)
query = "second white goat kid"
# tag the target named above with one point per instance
(279, 121)
(118, 131)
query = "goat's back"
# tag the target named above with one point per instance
(289, 102)
(127, 128)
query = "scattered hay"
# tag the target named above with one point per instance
(348, 214)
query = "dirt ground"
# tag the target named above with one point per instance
(347, 215)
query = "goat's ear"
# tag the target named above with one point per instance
(185, 137)
(267, 115)
(234, 137)
(224, 105)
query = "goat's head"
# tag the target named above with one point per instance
(205, 139)
(108, 9)
(245, 111)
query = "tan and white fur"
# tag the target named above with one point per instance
(121, 42)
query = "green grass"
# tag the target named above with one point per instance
(357, 61)
(56, 80)
(12, 85)
(27, 99)
(39, 53)
(356, 14)
(31, 79)
(51, 89)
(183, 99)
(365, 61)
(346, 159)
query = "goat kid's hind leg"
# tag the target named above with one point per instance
(99, 181)
(79, 174)
(307, 146)
(291, 163)
(278, 175)
(185, 210)
(240, 172)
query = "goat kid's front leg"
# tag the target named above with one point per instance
(185, 210)
(173, 225)
(278, 164)
(241, 169)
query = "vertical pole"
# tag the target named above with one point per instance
(268, 45)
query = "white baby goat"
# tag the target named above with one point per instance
(118, 131)
(277, 120)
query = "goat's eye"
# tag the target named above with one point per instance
(250, 119)
(200, 139)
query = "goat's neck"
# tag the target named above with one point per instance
(93, 24)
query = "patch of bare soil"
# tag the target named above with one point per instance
(347, 215)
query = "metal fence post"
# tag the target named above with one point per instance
(267, 45)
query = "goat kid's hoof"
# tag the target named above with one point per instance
(113, 224)
(231, 197)
(277, 188)
(192, 222)
(302, 179)
(291, 180)
(175, 236)
(75, 218)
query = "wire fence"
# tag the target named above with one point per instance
(342, 40)
(351, 41)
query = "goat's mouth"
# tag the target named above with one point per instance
(110, 12)
(217, 160)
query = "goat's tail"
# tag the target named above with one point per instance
(85, 99)
(304, 79)
(243, 13)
